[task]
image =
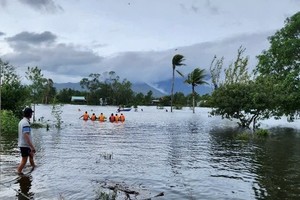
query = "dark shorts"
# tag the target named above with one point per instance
(25, 151)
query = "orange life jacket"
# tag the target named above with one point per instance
(122, 118)
(85, 116)
(116, 118)
(93, 117)
(101, 118)
(112, 118)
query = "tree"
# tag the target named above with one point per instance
(215, 71)
(13, 94)
(237, 97)
(179, 100)
(281, 63)
(195, 78)
(49, 91)
(37, 86)
(176, 61)
(93, 85)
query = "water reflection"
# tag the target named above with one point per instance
(25, 186)
(184, 155)
(276, 164)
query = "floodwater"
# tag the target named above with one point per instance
(179, 155)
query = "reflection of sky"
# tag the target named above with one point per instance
(183, 154)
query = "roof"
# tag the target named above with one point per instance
(78, 98)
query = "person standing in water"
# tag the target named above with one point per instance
(25, 141)
(85, 116)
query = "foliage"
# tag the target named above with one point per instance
(108, 87)
(262, 132)
(195, 78)
(237, 72)
(9, 123)
(65, 95)
(281, 63)
(56, 113)
(241, 98)
(177, 61)
(179, 99)
(36, 125)
(35, 76)
(13, 93)
(215, 71)
(243, 136)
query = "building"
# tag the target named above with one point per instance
(78, 99)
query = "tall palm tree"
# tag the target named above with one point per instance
(195, 78)
(176, 61)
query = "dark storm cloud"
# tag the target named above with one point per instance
(25, 40)
(31, 49)
(43, 5)
(149, 66)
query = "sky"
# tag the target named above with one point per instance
(137, 39)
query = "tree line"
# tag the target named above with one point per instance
(271, 89)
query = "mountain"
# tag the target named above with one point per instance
(180, 86)
(159, 89)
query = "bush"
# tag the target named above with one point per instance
(262, 132)
(9, 122)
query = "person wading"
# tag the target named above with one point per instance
(25, 141)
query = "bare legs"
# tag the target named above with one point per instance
(24, 161)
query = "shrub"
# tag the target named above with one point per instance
(9, 122)
(262, 132)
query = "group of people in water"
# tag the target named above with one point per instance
(102, 117)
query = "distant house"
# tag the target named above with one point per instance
(78, 99)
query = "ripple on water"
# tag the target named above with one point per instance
(184, 155)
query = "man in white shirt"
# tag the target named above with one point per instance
(25, 141)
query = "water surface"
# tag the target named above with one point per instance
(183, 155)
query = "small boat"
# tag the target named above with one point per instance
(123, 109)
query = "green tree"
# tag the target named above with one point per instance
(195, 78)
(281, 63)
(139, 99)
(177, 61)
(240, 97)
(14, 95)
(93, 85)
(179, 100)
(37, 86)
(148, 98)
(215, 71)
(49, 91)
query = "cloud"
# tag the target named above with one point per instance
(3, 3)
(26, 40)
(68, 62)
(1, 33)
(43, 5)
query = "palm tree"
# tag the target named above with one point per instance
(176, 61)
(195, 78)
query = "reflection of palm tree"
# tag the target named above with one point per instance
(176, 61)
(195, 78)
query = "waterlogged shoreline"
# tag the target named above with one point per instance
(179, 154)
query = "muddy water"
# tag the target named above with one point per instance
(179, 154)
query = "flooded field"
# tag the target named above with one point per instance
(154, 153)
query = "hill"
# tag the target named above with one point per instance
(159, 89)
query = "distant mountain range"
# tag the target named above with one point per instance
(159, 89)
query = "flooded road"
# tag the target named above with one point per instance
(180, 154)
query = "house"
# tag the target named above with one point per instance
(78, 99)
